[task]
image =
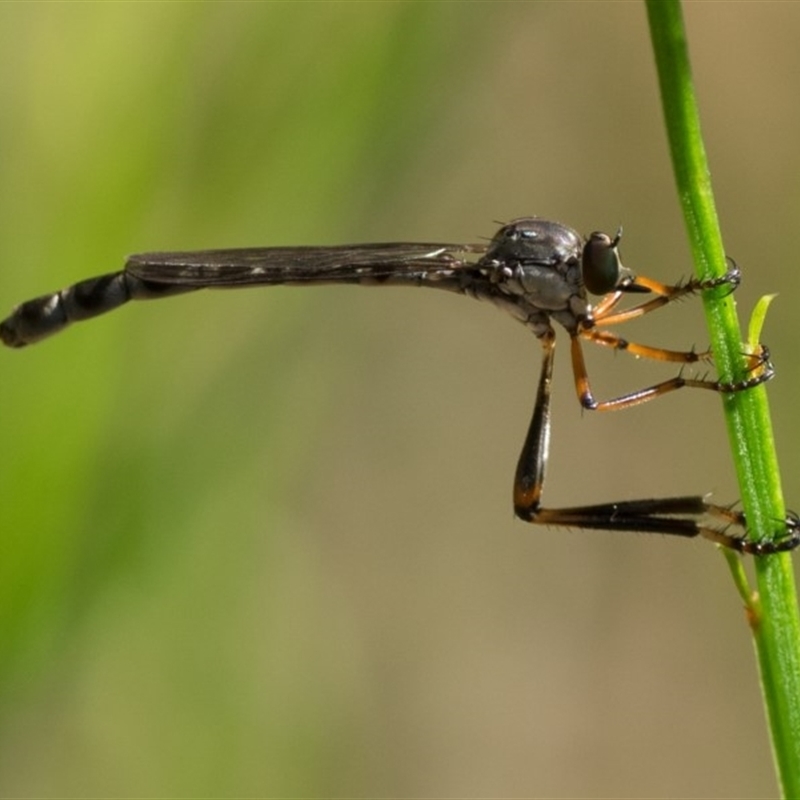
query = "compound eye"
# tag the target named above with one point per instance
(600, 264)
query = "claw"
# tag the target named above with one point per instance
(732, 278)
(767, 547)
(760, 372)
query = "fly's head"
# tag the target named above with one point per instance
(601, 268)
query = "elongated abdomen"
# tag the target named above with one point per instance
(43, 316)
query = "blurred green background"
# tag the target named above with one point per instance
(261, 543)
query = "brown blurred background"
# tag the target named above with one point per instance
(261, 543)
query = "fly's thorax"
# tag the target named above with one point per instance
(538, 262)
(543, 287)
(531, 240)
(548, 288)
(534, 268)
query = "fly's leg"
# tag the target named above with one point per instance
(789, 540)
(758, 366)
(688, 516)
(609, 339)
(761, 371)
(666, 293)
(51, 313)
(532, 464)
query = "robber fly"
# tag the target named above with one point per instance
(538, 271)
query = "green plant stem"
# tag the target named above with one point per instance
(773, 611)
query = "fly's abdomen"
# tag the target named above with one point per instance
(51, 313)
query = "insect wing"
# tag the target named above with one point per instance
(274, 265)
